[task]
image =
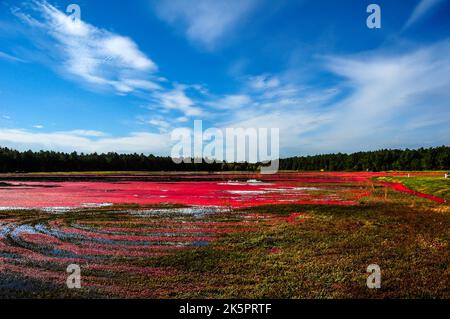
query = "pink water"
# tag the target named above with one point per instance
(207, 193)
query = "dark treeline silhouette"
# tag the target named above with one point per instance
(49, 161)
(437, 158)
(382, 160)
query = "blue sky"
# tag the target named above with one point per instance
(126, 75)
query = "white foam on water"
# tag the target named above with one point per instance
(250, 182)
(94, 205)
(193, 210)
(14, 208)
(247, 192)
(56, 209)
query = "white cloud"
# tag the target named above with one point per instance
(160, 123)
(89, 54)
(10, 57)
(382, 100)
(182, 119)
(140, 142)
(263, 82)
(231, 102)
(423, 7)
(101, 59)
(391, 100)
(38, 126)
(177, 99)
(294, 114)
(204, 21)
(90, 133)
(390, 96)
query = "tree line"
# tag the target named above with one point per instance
(437, 158)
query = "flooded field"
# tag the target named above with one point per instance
(239, 190)
(129, 234)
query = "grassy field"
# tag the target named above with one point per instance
(301, 251)
(326, 255)
(434, 185)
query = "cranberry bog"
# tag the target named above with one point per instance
(239, 235)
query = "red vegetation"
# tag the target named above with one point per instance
(95, 245)
(103, 243)
(402, 188)
(305, 188)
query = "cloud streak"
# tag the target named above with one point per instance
(382, 100)
(376, 99)
(100, 59)
(10, 57)
(422, 8)
(89, 54)
(203, 21)
(388, 93)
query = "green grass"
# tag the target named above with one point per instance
(326, 257)
(433, 185)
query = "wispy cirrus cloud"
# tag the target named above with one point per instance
(390, 92)
(377, 99)
(177, 99)
(160, 123)
(87, 133)
(87, 53)
(382, 99)
(10, 57)
(205, 22)
(421, 9)
(263, 82)
(99, 58)
(230, 102)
